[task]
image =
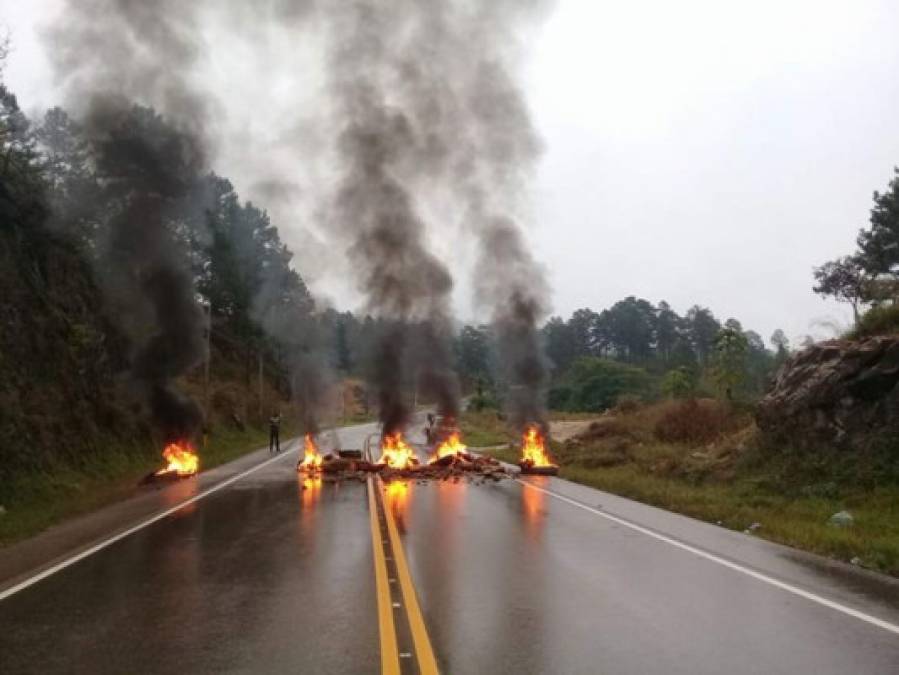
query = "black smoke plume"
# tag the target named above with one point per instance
(149, 169)
(493, 170)
(512, 282)
(483, 146)
(286, 312)
(433, 108)
(110, 54)
(147, 52)
(375, 209)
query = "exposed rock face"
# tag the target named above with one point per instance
(839, 392)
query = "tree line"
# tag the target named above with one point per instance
(637, 348)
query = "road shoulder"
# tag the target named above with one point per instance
(871, 592)
(32, 556)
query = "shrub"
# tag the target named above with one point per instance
(605, 458)
(877, 321)
(483, 401)
(606, 428)
(628, 403)
(679, 383)
(694, 421)
(593, 384)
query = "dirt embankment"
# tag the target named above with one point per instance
(563, 430)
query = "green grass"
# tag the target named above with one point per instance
(359, 418)
(35, 501)
(507, 454)
(801, 522)
(483, 429)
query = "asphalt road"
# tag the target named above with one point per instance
(271, 573)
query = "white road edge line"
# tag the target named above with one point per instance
(873, 620)
(12, 590)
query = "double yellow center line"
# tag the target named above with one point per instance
(390, 655)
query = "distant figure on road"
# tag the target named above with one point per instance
(429, 430)
(274, 428)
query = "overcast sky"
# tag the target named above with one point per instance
(696, 152)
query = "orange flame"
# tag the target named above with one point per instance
(312, 460)
(533, 449)
(395, 453)
(180, 458)
(453, 445)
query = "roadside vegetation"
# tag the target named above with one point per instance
(706, 459)
(484, 428)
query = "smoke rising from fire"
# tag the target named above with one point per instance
(374, 209)
(109, 52)
(433, 111)
(431, 139)
(152, 52)
(147, 52)
(492, 172)
(285, 311)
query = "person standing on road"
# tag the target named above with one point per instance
(429, 429)
(274, 428)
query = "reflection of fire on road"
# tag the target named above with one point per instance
(310, 490)
(396, 498)
(532, 504)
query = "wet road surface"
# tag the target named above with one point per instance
(273, 573)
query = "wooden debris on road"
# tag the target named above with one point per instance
(450, 467)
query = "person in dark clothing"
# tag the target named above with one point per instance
(429, 430)
(274, 428)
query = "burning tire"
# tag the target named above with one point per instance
(532, 470)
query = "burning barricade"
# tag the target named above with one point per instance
(331, 465)
(534, 459)
(396, 453)
(398, 460)
(181, 461)
(451, 447)
(447, 458)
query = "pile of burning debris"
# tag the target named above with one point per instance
(450, 460)
(181, 461)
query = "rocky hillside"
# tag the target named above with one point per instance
(840, 392)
